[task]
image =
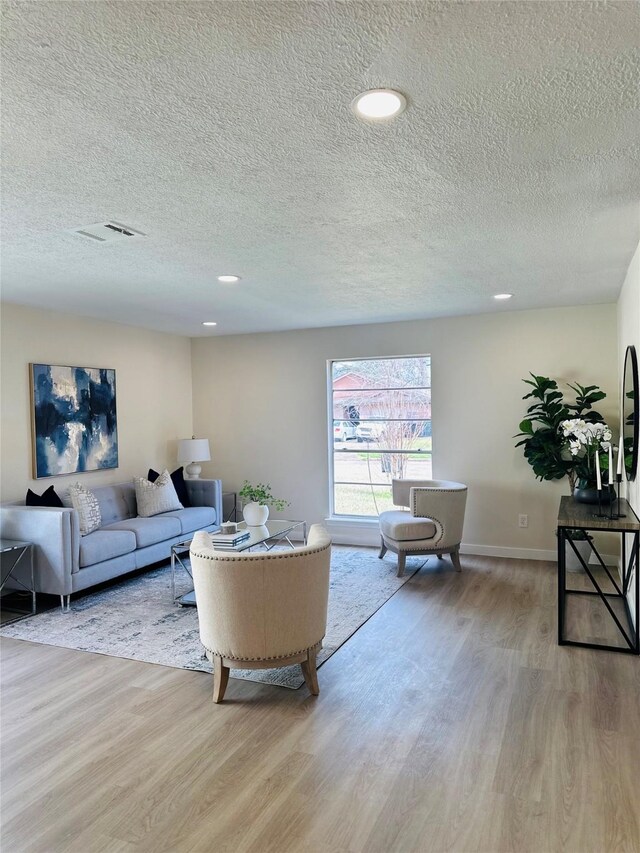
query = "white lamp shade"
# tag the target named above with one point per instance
(193, 450)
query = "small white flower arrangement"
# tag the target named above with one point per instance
(585, 441)
(583, 435)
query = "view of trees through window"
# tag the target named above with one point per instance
(381, 411)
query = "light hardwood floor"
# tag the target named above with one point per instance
(450, 721)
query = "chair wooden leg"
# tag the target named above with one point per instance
(401, 561)
(310, 672)
(220, 678)
(383, 549)
(455, 559)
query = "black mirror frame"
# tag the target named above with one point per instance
(631, 355)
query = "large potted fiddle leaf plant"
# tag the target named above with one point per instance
(560, 438)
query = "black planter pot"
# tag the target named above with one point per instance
(590, 496)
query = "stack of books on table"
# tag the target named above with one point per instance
(229, 541)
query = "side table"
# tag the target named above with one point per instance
(178, 559)
(577, 516)
(12, 554)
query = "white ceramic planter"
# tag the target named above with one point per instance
(255, 514)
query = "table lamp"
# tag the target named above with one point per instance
(193, 450)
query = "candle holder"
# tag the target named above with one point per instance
(600, 514)
(612, 515)
(618, 487)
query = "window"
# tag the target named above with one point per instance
(380, 421)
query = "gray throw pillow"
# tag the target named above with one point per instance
(157, 497)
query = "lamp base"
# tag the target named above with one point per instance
(193, 471)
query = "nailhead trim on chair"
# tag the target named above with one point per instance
(437, 520)
(279, 657)
(421, 550)
(274, 555)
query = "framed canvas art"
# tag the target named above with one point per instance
(73, 419)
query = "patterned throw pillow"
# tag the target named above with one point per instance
(86, 505)
(154, 498)
(177, 478)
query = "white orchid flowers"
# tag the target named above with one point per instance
(584, 434)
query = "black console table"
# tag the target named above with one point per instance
(578, 516)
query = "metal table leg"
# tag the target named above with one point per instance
(33, 583)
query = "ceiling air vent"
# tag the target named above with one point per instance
(107, 232)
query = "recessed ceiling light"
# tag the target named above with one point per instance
(229, 278)
(502, 295)
(379, 104)
(209, 323)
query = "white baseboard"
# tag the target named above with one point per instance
(368, 534)
(550, 556)
(512, 553)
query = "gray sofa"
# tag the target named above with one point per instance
(66, 562)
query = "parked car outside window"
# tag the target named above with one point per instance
(369, 431)
(343, 431)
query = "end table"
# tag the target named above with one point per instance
(12, 554)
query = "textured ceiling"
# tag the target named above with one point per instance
(223, 131)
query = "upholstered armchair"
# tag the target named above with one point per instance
(260, 610)
(431, 524)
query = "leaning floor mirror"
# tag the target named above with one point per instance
(630, 413)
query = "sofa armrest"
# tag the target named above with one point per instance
(206, 493)
(55, 534)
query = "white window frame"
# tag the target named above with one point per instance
(368, 520)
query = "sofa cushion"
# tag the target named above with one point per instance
(193, 518)
(105, 545)
(403, 527)
(155, 498)
(148, 531)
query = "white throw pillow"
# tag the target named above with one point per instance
(86, 505)
(154, 498)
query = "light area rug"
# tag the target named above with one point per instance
(136, 618)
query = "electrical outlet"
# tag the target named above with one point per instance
(523, 520)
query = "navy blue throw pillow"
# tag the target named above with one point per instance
(177, 478)
(48, 498)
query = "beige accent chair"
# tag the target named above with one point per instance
(260, 610)
(432, 524)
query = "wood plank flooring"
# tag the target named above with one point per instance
(450, 722)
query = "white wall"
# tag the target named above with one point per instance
(262, 401)
(153, 381)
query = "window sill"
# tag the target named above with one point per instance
(353, 530)
(352, 519)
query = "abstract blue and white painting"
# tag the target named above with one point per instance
(74, 419)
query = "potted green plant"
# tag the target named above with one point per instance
(257, 500)
(560, 439)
